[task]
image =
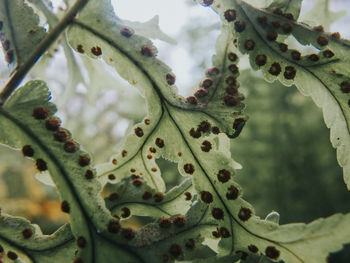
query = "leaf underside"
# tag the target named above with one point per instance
(192, 132)
(20, 32)
(323, 75)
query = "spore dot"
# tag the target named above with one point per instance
(345, 86)
(53, 124)
(65, 207)
(158, 197)
(111, 177)
(213, 71)
(81, 242)
(41, 165)
(61, 135)
(224, 176)
(12, 255)
(289, 72)
(126, 32)
(126, 212)
(232, 56)
(249, 44)
(206, 146)
(27, 233)
(275, 69)
(283, 47)
(239, 26)
(97, 51)
(217, 213)
(322, 40)
(328, 53)
(28, 151)
(200, 93)
(175, 250)
(224, 232)
(287, 28)
(230, 15)
(230, 100)
(261, 60)
(272, 252)
(138, 132)
(80, 48)
(84, 160)
(179, 221)
(113, 197)
(70, 146)
(128, 233)
(271, 36)
(188, 196)
(189, 168)
(244, 214)
(313, 57)
(113, 226)
(89, 174)
(192, 100)
(147, 195)
(147, 51)
(206, 197)
(170, 78)
(207, 83)
(253, 249)
(232, 193)
(165, 222)
(296, 55)
(160, 142)
(41, 113)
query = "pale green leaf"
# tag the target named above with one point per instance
(26, 125)
(150, 29)
(75, 76)
(321, 14)
(150, 75)
(20, 32)
(45, 178)
(323, 76)
(17, 235)
(20, 128)
(287, 7)
(169, 136)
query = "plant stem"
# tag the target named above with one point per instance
(51, 37)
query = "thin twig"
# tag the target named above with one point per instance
(23, 69)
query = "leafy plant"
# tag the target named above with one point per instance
(204, 218)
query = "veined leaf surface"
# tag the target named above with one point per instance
(323, 75)
(20, 32)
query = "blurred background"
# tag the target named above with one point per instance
(289, 165)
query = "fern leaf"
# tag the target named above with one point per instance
(321, 14)
(183, 133)
(217, 101)
(287, 7)
(19, 239)
(192, 132)
(150, 29)
(99, 237)
(323, 75)
(19, 31)
(31, 126)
